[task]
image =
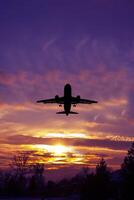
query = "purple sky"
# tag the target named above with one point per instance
(45, 44)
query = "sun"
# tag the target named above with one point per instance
(56, 150)
(60, 149)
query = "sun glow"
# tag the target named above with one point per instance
(60, 149)
(56, 150)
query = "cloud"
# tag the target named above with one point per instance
(105, 143)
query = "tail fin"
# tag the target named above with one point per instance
(63, 112)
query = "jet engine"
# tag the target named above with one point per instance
(78, 98)
(56, 98)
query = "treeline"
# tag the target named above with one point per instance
(24, 178)
(27, 179)
(107, 185)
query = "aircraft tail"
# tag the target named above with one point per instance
(63, 112)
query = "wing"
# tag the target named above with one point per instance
(59, 100)
(76, 100)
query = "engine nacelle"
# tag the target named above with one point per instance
(56, 98)
(78, 98)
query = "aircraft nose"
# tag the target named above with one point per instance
(67, 85)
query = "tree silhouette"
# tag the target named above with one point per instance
(101, 168)
(127, 168)
(20, 163)
(97, 186)
(26, 175)
(128, 164)
(37, 180)
(20, 166)
(102, 180)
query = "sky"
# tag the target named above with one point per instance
(43, 46)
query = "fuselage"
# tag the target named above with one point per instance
(67, 98)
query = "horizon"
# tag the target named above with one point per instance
(45, 45)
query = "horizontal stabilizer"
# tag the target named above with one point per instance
(61, 112)
(73, 112)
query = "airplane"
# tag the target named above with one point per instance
(67, 100)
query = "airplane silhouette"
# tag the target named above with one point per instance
(67, 100)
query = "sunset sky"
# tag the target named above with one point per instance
(43, 46)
